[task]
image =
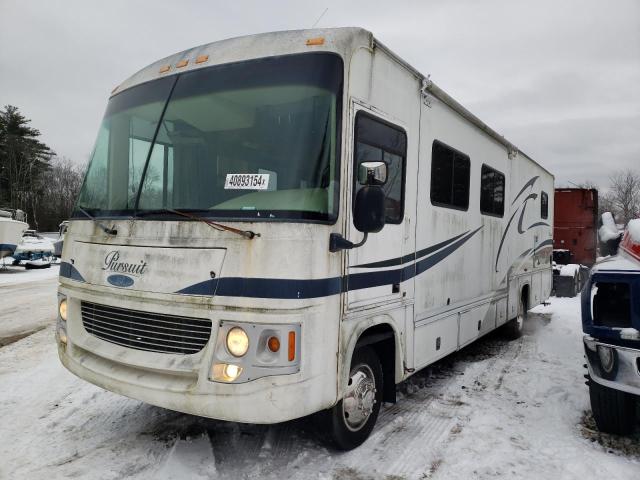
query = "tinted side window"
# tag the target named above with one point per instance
(450, 171)
(491, 192)
(378, 141)
(544, 205)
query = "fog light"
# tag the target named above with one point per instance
(607, 358)
(225, 372)
(237, 342)
(62, 309)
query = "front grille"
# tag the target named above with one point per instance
(612, 305)
(154, 332)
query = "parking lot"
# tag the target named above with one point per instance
(515, 409)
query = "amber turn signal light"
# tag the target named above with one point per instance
(274, 344)
(292, 346)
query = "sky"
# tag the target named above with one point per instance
(559, 79)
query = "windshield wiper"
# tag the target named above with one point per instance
(104, 228)
(248, 234)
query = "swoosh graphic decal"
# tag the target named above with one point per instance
(523, 205)
(411, 256)
(532, 196)
(544, 244)
(504, 235)
(539, 224)
(530, 183)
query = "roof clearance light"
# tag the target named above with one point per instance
(182, 63)
(165, 69)
(315, 41)
(202, 58)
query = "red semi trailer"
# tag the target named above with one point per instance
(575, 225)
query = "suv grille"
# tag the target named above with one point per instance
(154, 332)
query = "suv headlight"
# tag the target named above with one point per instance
(237, 342)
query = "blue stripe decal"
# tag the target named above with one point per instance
(69, 271)
(278, 287)
(208, 287)
(324, 287)
(433, 260)
(411, 256)
(282, 288)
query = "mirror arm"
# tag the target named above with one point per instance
(337, 242)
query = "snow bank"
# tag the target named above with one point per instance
(10, 275)
(634, 230)
(608, 230)
(570, 270)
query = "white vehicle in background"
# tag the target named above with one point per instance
(13, 224)
(290, 223)
(34, 251)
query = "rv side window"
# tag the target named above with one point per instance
(544, 205)
(450, 171)
(491, 192)
(376, 140)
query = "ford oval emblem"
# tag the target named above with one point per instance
(120, 280)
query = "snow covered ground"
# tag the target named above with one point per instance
(496, 409)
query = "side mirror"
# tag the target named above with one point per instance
(372, 173)
(369, 211)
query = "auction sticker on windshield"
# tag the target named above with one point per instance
(247, 181)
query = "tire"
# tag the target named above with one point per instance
(613, 410)
(345, 424)
(515, 327)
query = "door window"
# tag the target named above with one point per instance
(377, 141)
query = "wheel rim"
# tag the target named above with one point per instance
(360, 397)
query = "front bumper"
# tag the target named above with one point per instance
(182, 382)
(624, 376)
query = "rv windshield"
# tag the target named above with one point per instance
(252, 140)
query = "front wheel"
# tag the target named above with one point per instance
(352, 419)
(613, 410)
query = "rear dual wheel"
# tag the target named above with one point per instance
(514, 328)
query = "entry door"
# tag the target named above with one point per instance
(376, 270)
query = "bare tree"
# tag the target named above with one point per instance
(60, 188)
(624, 194)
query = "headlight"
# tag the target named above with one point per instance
(62, 309)
(237, 342)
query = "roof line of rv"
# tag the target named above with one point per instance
(444, 97)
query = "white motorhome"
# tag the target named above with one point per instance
(289, 223)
